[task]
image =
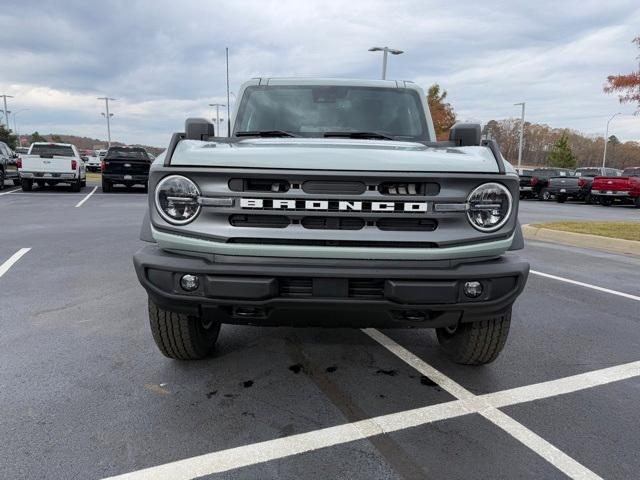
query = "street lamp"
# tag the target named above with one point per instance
(385, 50)
(108, 117)
(606, 138)
(217, 105)
(521, 134)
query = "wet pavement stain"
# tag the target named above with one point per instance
(211, 393)
(429, 383)
(331, 369)
(247, 384)
(391, 373)
(297, 368)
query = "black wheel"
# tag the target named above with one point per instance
(588, 199)
(636, 202)
(606, 201)
(1, 179)
(106, 186)
(544, 195)
(16, 182)
(27, 184)
(476, 343)
(83, 183)
(75, 186)
(181, 336)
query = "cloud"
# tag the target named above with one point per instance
(164, 61)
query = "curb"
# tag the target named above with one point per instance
(607, 244)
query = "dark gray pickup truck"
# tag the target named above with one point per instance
(578, 185)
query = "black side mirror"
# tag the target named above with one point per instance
(466, 134)
(198, 129)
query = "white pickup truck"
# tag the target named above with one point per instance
(50, 164)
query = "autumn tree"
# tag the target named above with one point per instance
(8, 137)
(627, 86)
(442, 112)
(36, 137)
(561, 156)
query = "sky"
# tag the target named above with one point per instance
(164, 61)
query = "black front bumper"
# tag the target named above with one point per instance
(304, 292)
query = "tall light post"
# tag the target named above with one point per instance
(217, 105)
(385, 51)
(108, 117)
(521, 134)
(15, 124)
(606, 138)
(6, 112)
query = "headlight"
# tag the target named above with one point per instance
(177, 199)
(489, 207)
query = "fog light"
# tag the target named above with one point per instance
(189, 282)
(472, 289)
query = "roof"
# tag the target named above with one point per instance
(335, 81)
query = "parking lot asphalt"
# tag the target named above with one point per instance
(86, 395)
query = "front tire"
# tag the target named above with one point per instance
(476, 343)
(181, 336)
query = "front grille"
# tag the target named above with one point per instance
(366, 289)
(359, 288)
(259, 221)
(407, 224)
(332, 223)
(295, 287)
(258, 185)
(333, 187)
(332, 243)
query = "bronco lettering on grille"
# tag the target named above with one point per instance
(332, 205)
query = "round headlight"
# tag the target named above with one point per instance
(177, 199)
(489, 207)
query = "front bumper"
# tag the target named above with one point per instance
(303, 292)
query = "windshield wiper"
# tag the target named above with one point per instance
(372, 135)
(266, 133)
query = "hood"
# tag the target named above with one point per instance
(333, 154)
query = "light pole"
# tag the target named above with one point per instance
(521, 134)
(606, 138)
(217, 105)
(108, 117)
(15, 124)
(6, 112)
(385, 51)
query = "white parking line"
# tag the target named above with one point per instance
(81, 202)
(587, 285)
(539, 445)
(4, 268)
(10, 191)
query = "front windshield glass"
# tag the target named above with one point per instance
(317, 111)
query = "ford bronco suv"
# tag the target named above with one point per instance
(332, 204)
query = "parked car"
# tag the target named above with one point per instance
(624, 189)
(526, 190)
(93, 161)
(577, 186)
(306, 218)
(21, 150)
(127, 166)
(50, 164)
(540, 180)
(8, 165)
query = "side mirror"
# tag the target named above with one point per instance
(198, 129)
(466, 134)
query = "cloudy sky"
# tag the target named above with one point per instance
(164, 60)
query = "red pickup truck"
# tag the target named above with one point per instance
(625, 188)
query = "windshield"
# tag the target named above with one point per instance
(51, 150)
(318, 111)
